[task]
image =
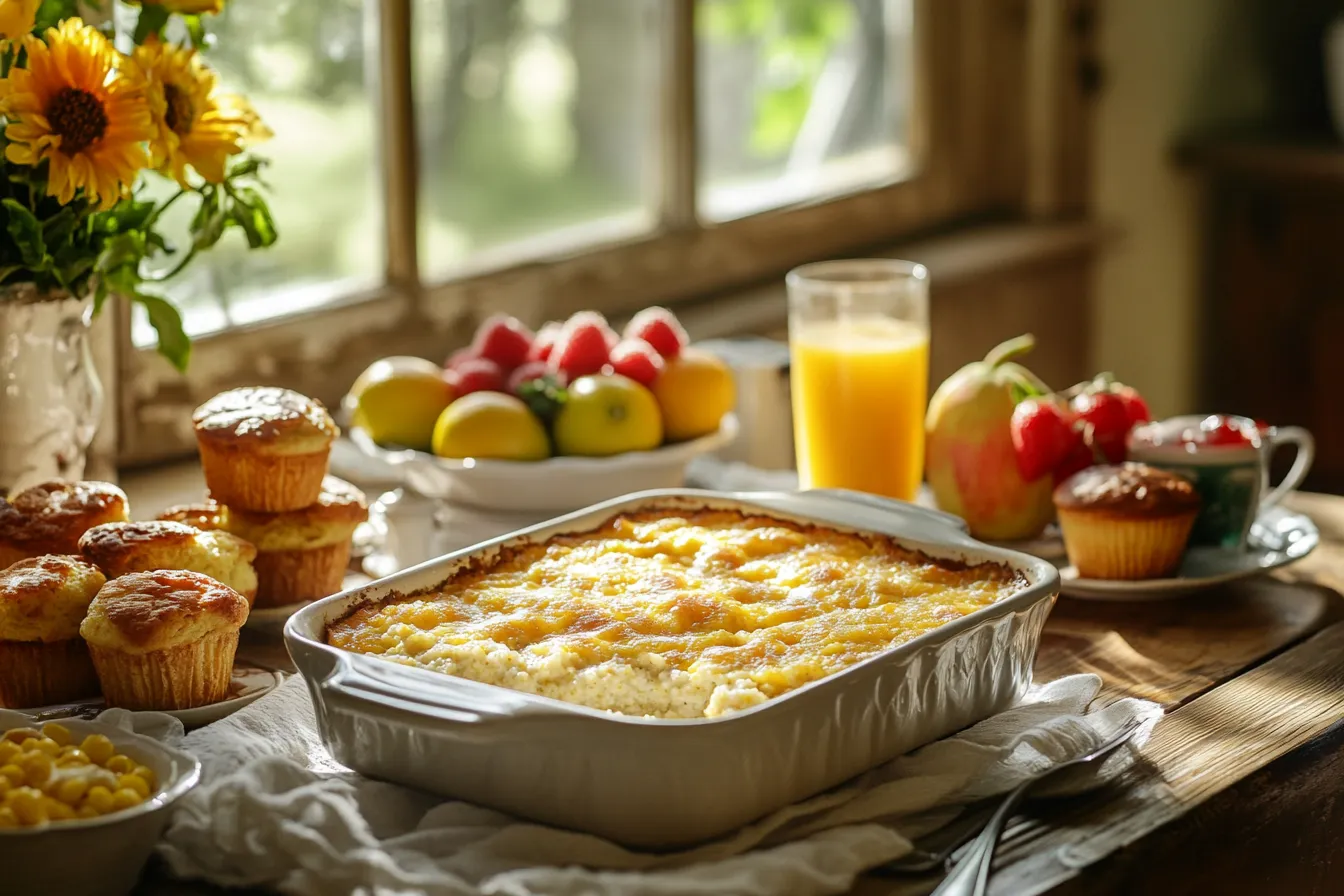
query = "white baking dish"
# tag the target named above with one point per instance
(663, 783)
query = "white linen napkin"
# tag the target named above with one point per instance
(274, 809)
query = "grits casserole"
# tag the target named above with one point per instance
(674, 614)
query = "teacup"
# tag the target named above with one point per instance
(1227, 458)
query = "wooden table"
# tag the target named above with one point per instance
(1238, 790)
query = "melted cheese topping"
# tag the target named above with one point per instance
(675, 616)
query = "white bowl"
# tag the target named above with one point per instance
(556, 485)
(96, 856)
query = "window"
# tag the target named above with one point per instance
(435, 160)
(307, 69)
(800, 99)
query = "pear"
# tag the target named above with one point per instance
(970, 463)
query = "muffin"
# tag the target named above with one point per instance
(50, 518)
(121, 548)
(1129, 521)
(164, 639)
(42, 659)
(302, 555)
(263, 448)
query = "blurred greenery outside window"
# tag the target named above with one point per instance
(537, 128)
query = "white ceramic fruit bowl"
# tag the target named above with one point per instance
(556, 485)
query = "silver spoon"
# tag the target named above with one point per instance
(970, 877)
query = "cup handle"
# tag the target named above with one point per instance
(1306, 453)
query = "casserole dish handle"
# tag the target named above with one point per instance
(362, 680)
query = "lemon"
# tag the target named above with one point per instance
(607, 414)
(694, 392)
(493, 425)
(397, 401)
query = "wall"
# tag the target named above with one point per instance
(1171, 68)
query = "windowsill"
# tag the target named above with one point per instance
(954, 259)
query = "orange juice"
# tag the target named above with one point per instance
(860, 389)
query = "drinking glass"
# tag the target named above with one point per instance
(859, 374)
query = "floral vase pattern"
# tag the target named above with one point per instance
(50, 396)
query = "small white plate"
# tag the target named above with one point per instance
(249, 683)
(1278, 537)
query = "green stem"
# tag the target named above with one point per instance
(177, 269)
(154, 215)
(1011, 349)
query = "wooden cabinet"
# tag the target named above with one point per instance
(1273, 292)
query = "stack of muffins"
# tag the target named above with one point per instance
(149, 613)
(264, 452)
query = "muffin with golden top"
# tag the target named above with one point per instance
(121, 548)
(50, 518)
(1126, 521)
(263, 448)
(42, 658)
(302, 555)
(164, 639)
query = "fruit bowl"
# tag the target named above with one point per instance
(555, 485)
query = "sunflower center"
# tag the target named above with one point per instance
(180, 112)
(79, 118)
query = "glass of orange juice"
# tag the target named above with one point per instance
(859, 374)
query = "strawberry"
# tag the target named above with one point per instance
(637, 360)
(477, 375)
(660, 329)
(581, 348)
(528, 371)
(1136, 409)
(1043, 436)
(544, 341)
(1106, 422)
(1079, 458)
(460, 357)
(504, 340)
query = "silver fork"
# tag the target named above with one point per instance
(970, 877)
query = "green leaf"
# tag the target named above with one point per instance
(250, 212)
(50, 13)
(150, 23)
(121, 252)
(26, 232)
(167, 323)
(58, 229)
(99, 296)
(6, 270)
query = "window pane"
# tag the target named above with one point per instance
(304, 65)
(799, 99)
(536, 120)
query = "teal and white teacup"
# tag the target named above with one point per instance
(1227, 459)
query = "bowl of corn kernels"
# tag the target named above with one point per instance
(82, 804)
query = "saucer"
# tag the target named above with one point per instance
(249, 683)
(1278, 537)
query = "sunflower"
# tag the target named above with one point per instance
(80, 106)
(195, 124)
(16, 17)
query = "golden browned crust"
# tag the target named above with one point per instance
(1127, 490)
(262, 414)
(38, 576)
(50, 518)
(122, 546)
(206, 516)
(478, 567)
(162, 609)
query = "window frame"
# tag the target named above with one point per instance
(970, 134)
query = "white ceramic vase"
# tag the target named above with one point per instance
(50, 396)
